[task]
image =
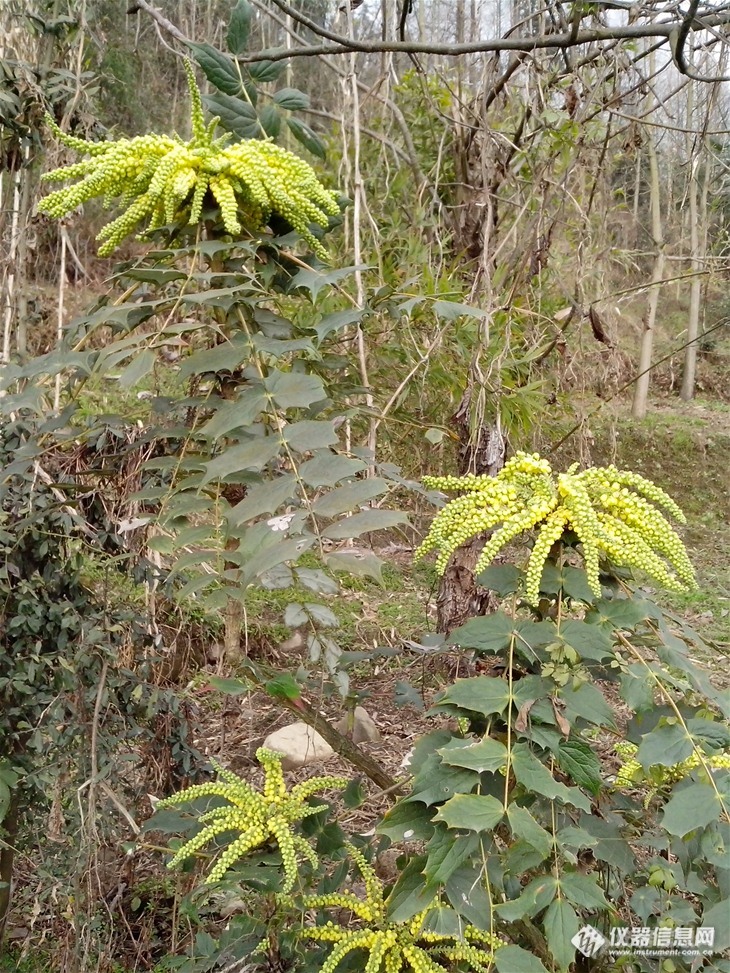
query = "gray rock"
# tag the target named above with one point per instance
(299, 746)
(364, 729)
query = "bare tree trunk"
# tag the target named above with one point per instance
(641, 389)
(459, 596)
(7, 857)
(698, 238)
(693, 323)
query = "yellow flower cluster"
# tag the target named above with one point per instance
(632, 774)
(612, 512)
(394, 945)
(156, 177)
(257, 816)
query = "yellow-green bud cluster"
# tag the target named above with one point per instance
(258, 816)
(632, 774)
(156, 178)
(393, 945)
(612, 512)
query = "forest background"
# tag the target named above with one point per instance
(534, 256)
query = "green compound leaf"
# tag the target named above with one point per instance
(488, 633)
(283, 686)
(218, 68)
(410, 894)
(408, 820)
(524, 826)
(138, 368)
(515, 959)
(637, 691)
(316, 580)
(577, 838)
(360, 563)
(587, 703)
(619, 613)
(364, 523)
(474, 812)
(718, 918)
(304, 134)
(496, 632)
(447, 852)
(521, 857)
(466, 892)
(237, 116)
(481, 694)
(264, 498)
(265, 71)
(504, 579)
(583, 890)
(291, 99)
(294, 389)
(253, 456)
(225, 356)
(270, 121)
(444, 922)
(715, 844)
(561, 925)
(239, 27)
(665, 745)
(581, 763)
(326, 469)
(570, 581)
(348, 497)
(535, 897)
(609, 846)
(534, 776)
(691, 808)
(335, 321)
(238, 414)
(478, 755)
(453, 310)
(309, 434)
(437, 782)
(354, 794)
(587, 640)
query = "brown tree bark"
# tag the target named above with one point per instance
(459, 596)
(7, 857)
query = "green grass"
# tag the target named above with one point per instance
(12, 963)
(686, 454)
(368, 613)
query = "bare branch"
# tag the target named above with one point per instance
(668, 30)
(159, 18)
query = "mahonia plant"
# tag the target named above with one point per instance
(632, 774)
(158, 177)
(612, 512)
(258, 816)
(394, 945)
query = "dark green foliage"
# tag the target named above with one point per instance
(540, 799)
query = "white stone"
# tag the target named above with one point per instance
(299, 746)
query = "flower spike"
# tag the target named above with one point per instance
(158, 179)
(259, 817)
(614, 513)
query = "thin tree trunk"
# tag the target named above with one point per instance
(459, 596)
(698, 242)
(7, 857)
(693, 322)
(641, 389)
(637, 194)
